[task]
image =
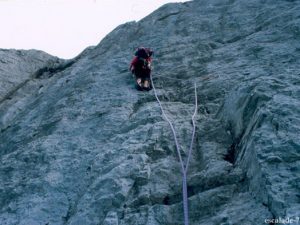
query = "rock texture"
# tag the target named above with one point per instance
(20, 73)
(18, 66)
(87, 148)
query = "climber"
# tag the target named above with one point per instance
(140, 67)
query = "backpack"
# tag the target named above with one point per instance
(143, 53)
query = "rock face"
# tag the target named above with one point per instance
(87, 148)
(20, 73)
(18, 66)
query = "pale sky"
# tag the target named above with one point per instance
(65, 27)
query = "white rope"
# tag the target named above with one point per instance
(184, 167)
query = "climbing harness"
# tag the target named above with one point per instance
(184, 165)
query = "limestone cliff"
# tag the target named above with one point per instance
(79, 145)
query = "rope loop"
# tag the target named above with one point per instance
(184, 166)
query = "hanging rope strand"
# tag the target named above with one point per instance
(170, 123)
(184, 168)
(194, 131)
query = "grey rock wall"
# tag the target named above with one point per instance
(20, 78)
(90, 149)
(18, 66)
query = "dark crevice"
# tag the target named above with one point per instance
(49, 71)
(67, 217)
(45, 72)
(230, 156)
(206, 110)
(4, 129)
(191, 191)
(166, 16)
(234, 148)
(9, 95)
(166, 200)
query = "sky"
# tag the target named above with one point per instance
(64, 28)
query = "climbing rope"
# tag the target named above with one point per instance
(184, 165)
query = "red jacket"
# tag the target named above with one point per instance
(135, 61)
